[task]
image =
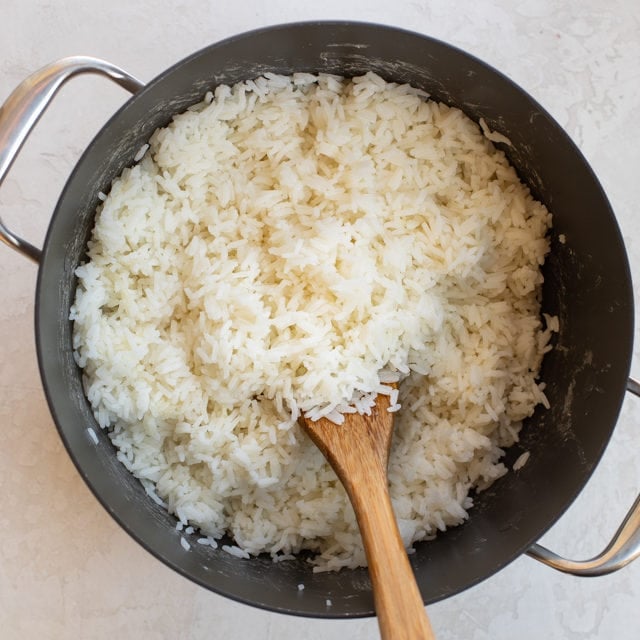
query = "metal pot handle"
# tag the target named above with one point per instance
(25, 105)
(623, 548)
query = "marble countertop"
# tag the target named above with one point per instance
(66, 569)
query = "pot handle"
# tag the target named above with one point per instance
(25, 105)
(623, 548)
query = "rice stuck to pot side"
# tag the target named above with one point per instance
(292, 245)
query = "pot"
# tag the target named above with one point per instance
(587, 285)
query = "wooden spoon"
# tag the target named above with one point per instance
(358, 451)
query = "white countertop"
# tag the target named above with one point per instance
(67, 570)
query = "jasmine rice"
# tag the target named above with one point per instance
(293, 245)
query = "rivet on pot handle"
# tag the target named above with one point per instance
(25, 105)
(623, 548)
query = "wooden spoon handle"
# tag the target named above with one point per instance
(358, 451)
(399, 607)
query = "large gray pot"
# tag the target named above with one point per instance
(587, 284)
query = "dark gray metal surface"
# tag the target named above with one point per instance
(587, 284)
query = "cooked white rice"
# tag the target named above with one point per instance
(208, 542)
(293, 245)
(523, 458)
(233, 550)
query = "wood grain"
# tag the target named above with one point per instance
(358, 451)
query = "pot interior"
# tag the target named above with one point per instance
(587, 284)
